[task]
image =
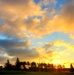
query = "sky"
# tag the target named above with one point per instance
(37, 30)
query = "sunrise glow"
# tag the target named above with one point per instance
(37, 30)
(57, 62)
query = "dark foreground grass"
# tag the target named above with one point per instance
(34, 73)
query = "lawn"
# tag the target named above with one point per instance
(35, 73)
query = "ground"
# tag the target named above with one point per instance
(35, 73)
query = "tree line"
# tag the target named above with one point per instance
(33, 66)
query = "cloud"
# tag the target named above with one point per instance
(47, 2)
(13, 14)
(64, 52)
(72, 36)
(22, 19)
(11, 48)
(50, 53)
(4, 56)
(32, 8)
(45, 55)
(60, 43)
(14, 42)
(56, 50)
(47, 46)
(62, 22)
(68, 10)
(17, 21)
(40, 43)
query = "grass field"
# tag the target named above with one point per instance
(35, 73)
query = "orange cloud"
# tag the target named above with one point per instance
(16, 16)
(14, 13)
(62, 22)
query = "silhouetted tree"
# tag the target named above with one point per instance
(17, 64)
(41, 66)
(1, 68)
(71, 68)
(28, 64)
(59, 67)
(48, 67)
(7, 65)
(24, 65)
(33, 66)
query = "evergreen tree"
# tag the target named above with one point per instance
(8, 65)
(71, 68)
(17, 64)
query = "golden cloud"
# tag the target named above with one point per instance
(16, 16)
(62, 22)
(13, 13)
